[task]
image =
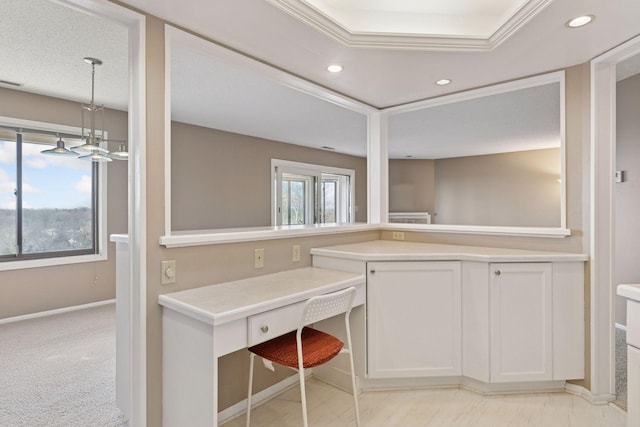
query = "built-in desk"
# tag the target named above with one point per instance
(200, 325)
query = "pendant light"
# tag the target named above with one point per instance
(60, 150)
(91, 149)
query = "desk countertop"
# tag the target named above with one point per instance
(225, 302)
(387, 250)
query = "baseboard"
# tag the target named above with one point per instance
(386, 384)
(56, 311)
(594, 399)
(258, 398)
(489, 389)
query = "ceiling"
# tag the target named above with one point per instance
(42, 48)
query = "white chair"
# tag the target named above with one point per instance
(307, 347)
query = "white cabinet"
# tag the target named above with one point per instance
(413, 319)
(521, 322)
(443, 311)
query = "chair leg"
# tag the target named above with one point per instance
(353, 373)
(251, 358)
(303, 397)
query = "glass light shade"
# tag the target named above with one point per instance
(92, 147)
(121, 153)
(60, 150)
(96, 156)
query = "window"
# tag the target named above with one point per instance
(48, 204)
(311, 194)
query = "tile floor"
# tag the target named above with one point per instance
(330, 407)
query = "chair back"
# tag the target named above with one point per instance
(324, 306)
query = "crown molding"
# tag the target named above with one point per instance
(318, 20)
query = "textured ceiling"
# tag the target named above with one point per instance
(43, 45)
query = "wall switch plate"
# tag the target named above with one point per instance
(258, 258)
(398, 235)
(295, 253)
(168, 272)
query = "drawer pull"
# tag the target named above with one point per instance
(264, 329)
(498, 272)
(372, 271)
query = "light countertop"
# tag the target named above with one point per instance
(225, 302)
(629, 291)
(388, 250)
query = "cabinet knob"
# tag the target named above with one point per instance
(264, 329)
(498, 272)
(372, 271)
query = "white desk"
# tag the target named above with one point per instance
(200, 325)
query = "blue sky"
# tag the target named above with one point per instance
(48, 181)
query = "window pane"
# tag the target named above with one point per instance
(56, 202)
(7, 197)
(329, 201)
(293, 202)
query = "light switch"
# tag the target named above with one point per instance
(168, 272)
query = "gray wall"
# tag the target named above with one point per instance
(222, 180)
(518, 189)
(508, 189)
(627, 194)
(411, 185)
(46, 288)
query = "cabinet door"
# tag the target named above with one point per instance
(413, 319)
(521, 322)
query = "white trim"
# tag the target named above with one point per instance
(524, 83)
(602, 226)
(377, 167)
(481, 230)
(137, 214)
(234, 235)
(555, 77)
(177, 37)
(48, 262)
(54, 312)
(621, 326)
(311, 16)
(308, 169)
(586, 394)
(258, 399)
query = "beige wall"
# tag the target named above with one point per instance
(221, 179)
(627, 194)
(518, 189)
(411, 185)
(46, 288)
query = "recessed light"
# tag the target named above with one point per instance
(580, 21)
(443, 82)
(334, 68)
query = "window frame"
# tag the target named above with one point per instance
(101, 241)
(278, 167)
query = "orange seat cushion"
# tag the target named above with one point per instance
(317, 348)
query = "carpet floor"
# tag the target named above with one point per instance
(60, 370)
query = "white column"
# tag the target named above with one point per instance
(377, 168)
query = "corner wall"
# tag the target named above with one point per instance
(33, 290)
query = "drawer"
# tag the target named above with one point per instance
(273, 323)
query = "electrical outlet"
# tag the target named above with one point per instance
(295, 253)
(258, 258)
(398, 235)
(168, 272)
